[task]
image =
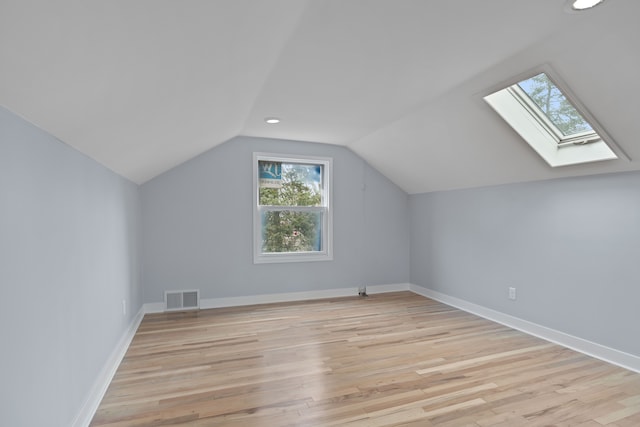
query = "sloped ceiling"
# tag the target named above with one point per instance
(144, 85)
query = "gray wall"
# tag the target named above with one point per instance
(571, 247)
(197, 226)
(68, 257)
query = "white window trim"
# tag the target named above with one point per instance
(326, 254)
(549, 143)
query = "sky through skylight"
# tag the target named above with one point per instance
(554, 105)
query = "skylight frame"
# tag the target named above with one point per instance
(513, 104)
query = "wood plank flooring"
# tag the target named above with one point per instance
(395, 359)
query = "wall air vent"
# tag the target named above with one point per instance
(182, 300)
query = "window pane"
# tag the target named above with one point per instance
(290, 231)
(289, 184)
(554, 105)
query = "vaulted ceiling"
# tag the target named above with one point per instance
(144, 85)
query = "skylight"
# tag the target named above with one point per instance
(553, 104)
(550, 122)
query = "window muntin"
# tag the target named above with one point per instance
(292, 217)
(572, 140)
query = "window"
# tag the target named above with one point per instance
(292, 208)
(550, 122)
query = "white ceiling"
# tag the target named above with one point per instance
(144, 85)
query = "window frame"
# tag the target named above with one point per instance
(326, 239)
(512, 103)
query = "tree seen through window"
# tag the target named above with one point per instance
(289, 192)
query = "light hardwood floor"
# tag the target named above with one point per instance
(395, 359)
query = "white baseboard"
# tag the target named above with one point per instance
(274, 298)
(100, 385)
(205, 303)
(153, 307)
(381, 289)
(607, 354)
(283, 297)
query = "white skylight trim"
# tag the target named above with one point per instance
(539, 131)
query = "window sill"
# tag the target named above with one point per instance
(291, 257)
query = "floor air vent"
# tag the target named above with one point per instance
(181, 300)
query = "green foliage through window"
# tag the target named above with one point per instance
(288, 231)
(300, 185)
(292, 187)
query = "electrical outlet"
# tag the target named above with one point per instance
(124, 307)
(512, 293)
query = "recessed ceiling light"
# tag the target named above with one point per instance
(585, 4)
(272, 120)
